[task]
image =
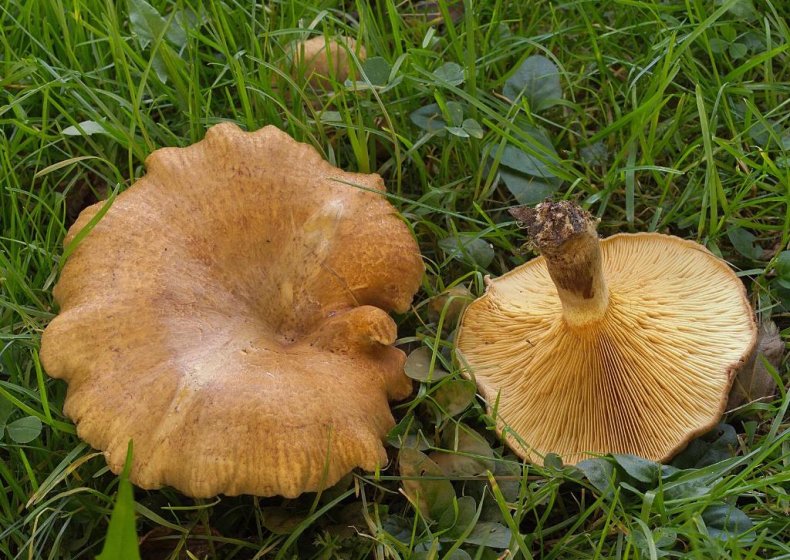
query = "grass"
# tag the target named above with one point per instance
(674, 117)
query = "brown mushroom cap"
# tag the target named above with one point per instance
(319, 59)
(229, 314)
(635, 358)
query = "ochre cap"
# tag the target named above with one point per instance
(319, 59)
(229, 314)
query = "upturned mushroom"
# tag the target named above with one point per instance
(229, 314)
(624, 345)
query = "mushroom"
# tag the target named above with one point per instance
(321, 60)
(229, 315)
(627, 345)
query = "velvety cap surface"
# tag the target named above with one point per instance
(229, 314)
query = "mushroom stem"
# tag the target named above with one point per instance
(566, 236)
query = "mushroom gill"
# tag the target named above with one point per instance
(625, 345)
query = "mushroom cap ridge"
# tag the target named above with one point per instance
(229, 314)
(647, 378)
